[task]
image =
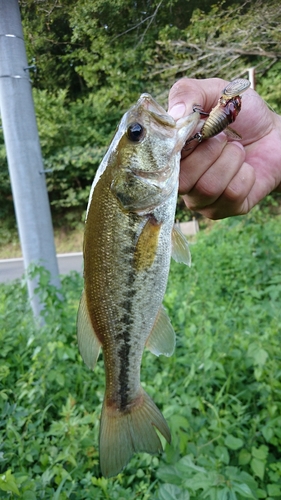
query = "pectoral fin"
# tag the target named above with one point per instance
(180, 247)
(147, 245)
(162, 338)
(88, 343)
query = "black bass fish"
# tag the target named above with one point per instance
(128, 242)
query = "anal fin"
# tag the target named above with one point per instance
(180, 247)
(88, 343)
(162, 338)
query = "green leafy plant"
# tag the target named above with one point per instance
(220, 391)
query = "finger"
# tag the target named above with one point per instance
(188, 92)
(236, 198)
(217, 178)
(202, 158)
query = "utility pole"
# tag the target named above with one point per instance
(23, 151)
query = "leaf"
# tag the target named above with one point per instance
(243, 490)
(170, 491)
(267, 433)
(258, 467)
(186, 463)
(8, 482)
(258, 354)
(4, 371)
(245, 478)
(29, 495)
(274, 490)
(170, 474)
(222, 454)
(260, 453)
(58, 491)
(60, 379)
(223, 494)
(232, 442)
(261, 493)
(177, 422)
(244, 457)
(200, 482)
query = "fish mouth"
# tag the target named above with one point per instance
(159, 114)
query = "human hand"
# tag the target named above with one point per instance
(220, 178)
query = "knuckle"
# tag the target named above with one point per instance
(207, 188)
(179, 88)
(232, 193)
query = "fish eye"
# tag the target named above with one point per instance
(135, 132)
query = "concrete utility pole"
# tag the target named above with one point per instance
(23, 151)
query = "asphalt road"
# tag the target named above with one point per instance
(11, 269)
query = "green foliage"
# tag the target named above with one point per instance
(270, 87)
(229, 417)
(94, 58)
(220, 391)
(224, 43)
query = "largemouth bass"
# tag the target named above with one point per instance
(128, 241)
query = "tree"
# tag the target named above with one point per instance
(224, 43)
(94, 58)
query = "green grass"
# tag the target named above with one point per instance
(220, 391)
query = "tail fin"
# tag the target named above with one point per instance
(130, 431)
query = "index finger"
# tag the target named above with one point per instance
(188, 92)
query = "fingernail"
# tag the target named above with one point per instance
(220, 138)
(177, 111)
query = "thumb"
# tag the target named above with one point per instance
(189, 92)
